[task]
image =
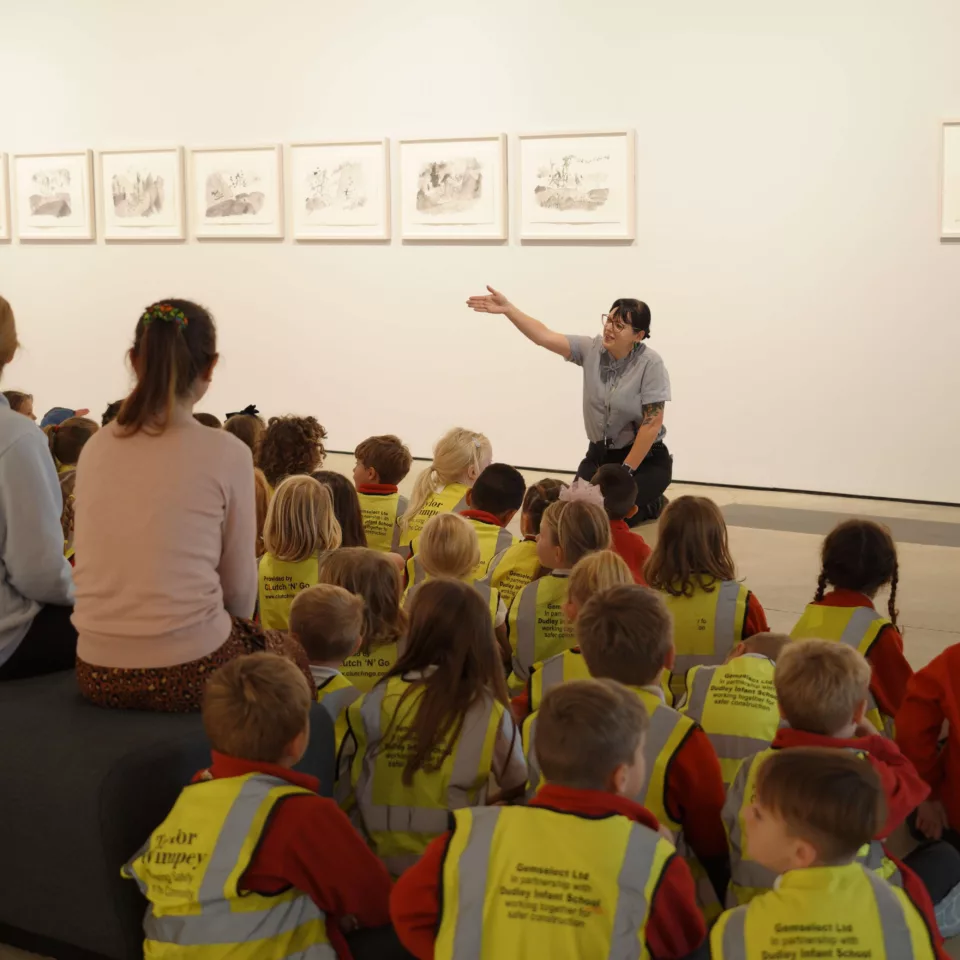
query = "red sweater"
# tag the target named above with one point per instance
(632, 547)
(311, 845)
(377, 489)
(891, 672)
(675, 926)
(933, 695)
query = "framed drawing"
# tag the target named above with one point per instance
(4, 198)
(454, 189)
(340, 190)
(237, 193)
(53, 195)
(950, 182)
(141, 194)
(577, 186)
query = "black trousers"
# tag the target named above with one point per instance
(49, 646)
(653, 476)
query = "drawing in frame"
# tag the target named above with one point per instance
(950, 181)
(340, 190)
(454, 188)
(4, 198)
(53, 196)
(236, 193)
(141, 194)
(577, 186)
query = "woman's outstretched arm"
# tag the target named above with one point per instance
(533, 330)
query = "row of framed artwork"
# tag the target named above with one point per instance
(570, 186)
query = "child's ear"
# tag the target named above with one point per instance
(619, 780)
(804, 853)
(738, 651)
(357, 645)
(469, 497)
(569, 610)
(632, 512)
(670, 660)
(860, 712)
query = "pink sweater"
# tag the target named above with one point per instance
(165, 541)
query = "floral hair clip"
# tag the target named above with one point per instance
(165, 312)
(583, 491)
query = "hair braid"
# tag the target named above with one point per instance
(821, 586)
(892, 603)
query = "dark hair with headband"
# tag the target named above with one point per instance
(634, 312)
(174, 344)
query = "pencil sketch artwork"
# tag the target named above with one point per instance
(234, 192)
(451, 186)
(137, 194)
(574, 183)
(339, 193)
(51, 193)
(238, 192)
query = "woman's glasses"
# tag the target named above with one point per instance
(609, 318)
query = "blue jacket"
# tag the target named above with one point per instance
(33, 570)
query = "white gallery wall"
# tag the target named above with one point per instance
(787, 221)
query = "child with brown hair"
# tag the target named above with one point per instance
(428, 738)
(66, 440)
(736, 703)
(619, 491)
(328, 623)
(21, 403)
(692, 567)
(459, 457)
(291, 446)
(248, 427)
(510, 571)
(291, 871)
(859, 558)
(382, 465)
(573, 527)
(582, 842)
(346, 507)
(300, 526)
(812, 811)
(262, 497)
(375, 578)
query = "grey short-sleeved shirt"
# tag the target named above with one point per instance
(616, 391)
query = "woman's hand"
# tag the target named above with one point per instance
(494, 302)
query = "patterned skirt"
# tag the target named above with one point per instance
(179, 689)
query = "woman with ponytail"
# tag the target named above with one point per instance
(859, 558)
(165, 521)
(36, 589)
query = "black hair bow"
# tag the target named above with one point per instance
(250, 411)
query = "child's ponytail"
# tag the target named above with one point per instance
(892, 610)
(821, 587)
(538, 498)
(67, 439)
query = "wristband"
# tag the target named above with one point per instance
(630, 470)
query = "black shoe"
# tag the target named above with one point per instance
(649, 512)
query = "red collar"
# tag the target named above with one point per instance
(377, 488)
(787, 737)
(846, 598)
(224, 766)
(592, 803)
(532, 539)
(619, 526)
(482, 516)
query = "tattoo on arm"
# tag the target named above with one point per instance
(650, 413)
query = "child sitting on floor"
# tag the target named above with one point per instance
(582, 842)
(859, 558)
(382, 464)
(20, 403)
(428, 738)
(66, 441)
(300, 527)
(291, 872)
(619, 491)
(327, 621)
(291, 446)
(692, 567)
(510, 571)
(736, 703)
(346, 507)
(810, 813)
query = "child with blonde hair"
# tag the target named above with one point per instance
(262, 496)
(459, 457)
(300, 526)
(428, 738)
(21, 403)
(692, 567)
(375, 578)
(537, 628)
(66, 440)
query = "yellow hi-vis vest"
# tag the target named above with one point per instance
(533, 882)
(736, 704)
(490, 596)
(561, 668)
(706, 627)
(510, 571)
(401, 820)
(537, 626)
(380, 512)
(451, 499)
(841, 911)
(749, 879)
(335, 694)
(190, 870)
(857, 627)
(493, 539)
(280, 582)
(363, 670)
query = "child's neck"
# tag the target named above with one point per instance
(848, 732)
(327, 664)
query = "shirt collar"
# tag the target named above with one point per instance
(323, 673)
(817, 878)
(482, 516)
(847, 598)
(592, 803)
(224, 766)
(377, 488)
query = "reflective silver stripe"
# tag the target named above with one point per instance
(473, 871)
(876, 860)
(729, 747)
(461, 505)
(504, 542)
(533, 765)
(526, 624)
(468, 755)
(744, 873)
(858, 625)
(127, 870)
(402, 505)
(337, 701)
(735, 935)
(484, 589)
(897, 941)
(725, 619)
(697, 696)
(551, 674)
(663, 722)
(632, 906)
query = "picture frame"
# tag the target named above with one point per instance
(454, 189)
(141, 194)
(4, 198)
(950, 180)
(340, 190)
(53, 196)
(577, 186)
(236, 193)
